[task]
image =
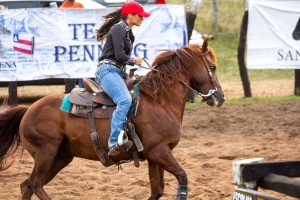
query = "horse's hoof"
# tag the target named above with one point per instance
(156, 197)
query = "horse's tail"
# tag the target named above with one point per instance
(10, 118)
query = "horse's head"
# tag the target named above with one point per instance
(204, 79)
(193, 64)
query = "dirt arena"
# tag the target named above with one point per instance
(212, 139)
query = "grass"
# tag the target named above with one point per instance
(238, 101)
(230, 14)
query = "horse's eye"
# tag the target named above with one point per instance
(213, 67)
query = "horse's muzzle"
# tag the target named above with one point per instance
(216, 99)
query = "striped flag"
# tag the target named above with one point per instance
(23, 44)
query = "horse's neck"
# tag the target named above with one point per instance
(171, 96)
(180, 92)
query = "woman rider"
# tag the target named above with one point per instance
(111, 69)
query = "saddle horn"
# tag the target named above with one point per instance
(91, 86)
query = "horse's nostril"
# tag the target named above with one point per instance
(223, 97)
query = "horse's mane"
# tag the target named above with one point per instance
(171, 65)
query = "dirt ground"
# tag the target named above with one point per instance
(212, 139)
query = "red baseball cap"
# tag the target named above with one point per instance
(134, 8)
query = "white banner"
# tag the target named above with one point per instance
(273, 39)
(53, 43)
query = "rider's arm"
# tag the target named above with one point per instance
(118, 37)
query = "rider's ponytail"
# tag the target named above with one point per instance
(110, 20)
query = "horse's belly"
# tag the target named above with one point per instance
(83, 148)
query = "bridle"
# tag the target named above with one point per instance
(199, 94)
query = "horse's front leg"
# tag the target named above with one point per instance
(162, 156)
(156, 175)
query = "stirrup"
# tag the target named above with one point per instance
(123, 144)
(114, 151)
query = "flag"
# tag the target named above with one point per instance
(23, 43)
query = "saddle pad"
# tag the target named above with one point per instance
(66, 104)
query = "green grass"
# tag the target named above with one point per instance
(226, 41)
(235, 101)
(230, 13)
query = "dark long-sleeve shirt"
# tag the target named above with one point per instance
(118, 45)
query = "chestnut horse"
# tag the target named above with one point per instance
(53, 137)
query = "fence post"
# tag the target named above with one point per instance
(190, 22)
(12, 93)
(297, 82)
(216, 16)
(241, 56)
(69, 85)
(191, 10)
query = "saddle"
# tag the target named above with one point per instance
(93, 93)
(92, 102)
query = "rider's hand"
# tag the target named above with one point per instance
(138, 60)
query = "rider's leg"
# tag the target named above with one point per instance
(112, 82)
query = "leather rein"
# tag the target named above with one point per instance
(199, 94)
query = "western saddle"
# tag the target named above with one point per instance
(93, 93)
(92, 102)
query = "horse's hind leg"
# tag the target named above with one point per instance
(162, 156)
(43, 161)
(156, 175)
(26, 191)
(34, 184)
(58, 164)
(44, 151)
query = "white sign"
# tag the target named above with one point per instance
(54, 43)
(273, 39)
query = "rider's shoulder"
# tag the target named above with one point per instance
(118, 27)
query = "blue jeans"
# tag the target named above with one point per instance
(110, 79)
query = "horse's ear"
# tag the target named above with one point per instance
(205, 45)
